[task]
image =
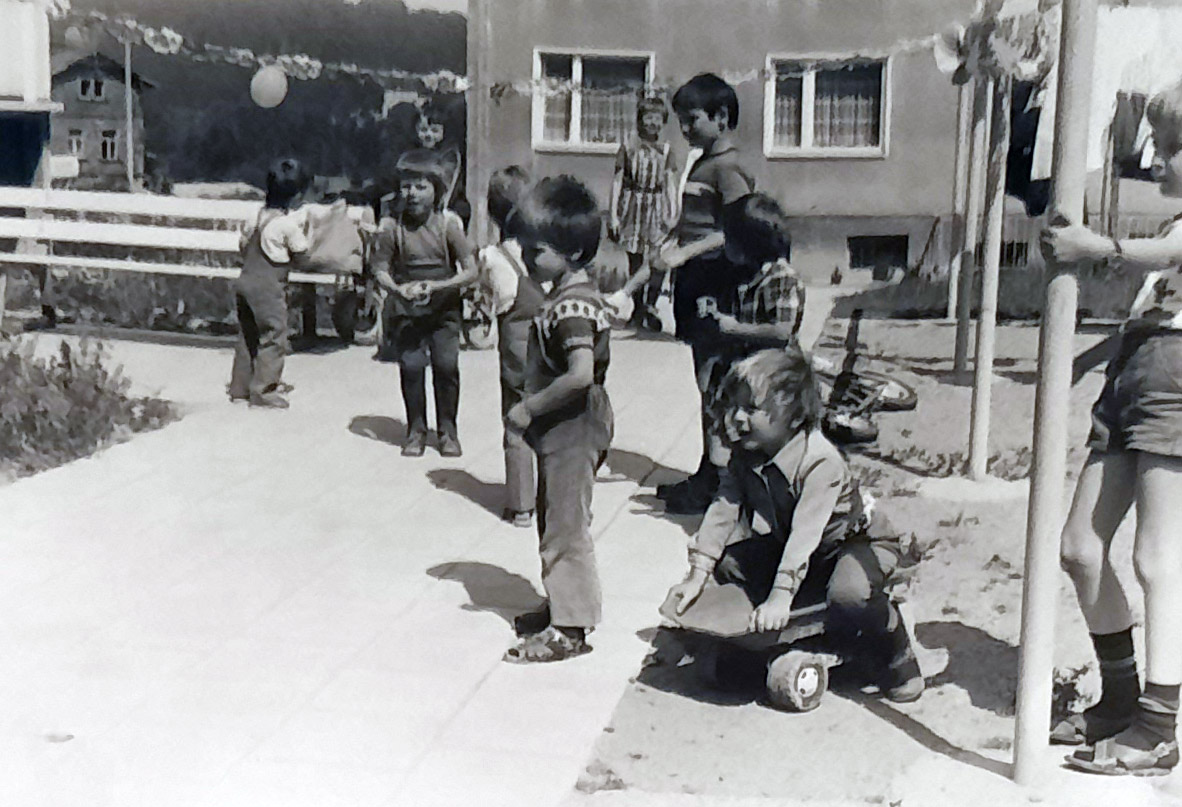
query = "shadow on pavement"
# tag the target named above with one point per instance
(640, 469)
(380, 428)
(491, 588)
(677, 662)
(983, 666)
(489, 495)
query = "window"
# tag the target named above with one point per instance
(829, 108)
(91, 89)
(587, 102)
(882, 253)
(76, 143)
(109, 148)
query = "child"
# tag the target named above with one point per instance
(517, 298)
(414, 260)
(787, 523)
(270, 251)
(708, 111)
(565, 415)
(1135, 460)
(641, 204)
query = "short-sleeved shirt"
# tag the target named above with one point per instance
(502, 269)
(715, 180)
(574, 317)
(1158, 304)
(283, 233)
(422, 251)
(774, 296)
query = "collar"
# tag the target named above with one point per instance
(570, 279)
(721, 146)
(789, 457)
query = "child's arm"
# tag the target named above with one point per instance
(1075, 243)
(459, 244)
(384, 250)
(818, 498)
(719, 526)
(579, 375)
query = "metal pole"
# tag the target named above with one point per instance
(982, 92)
(995, 198)
(1049, 469)
(960, 177)
(478, 101)
(128, 114)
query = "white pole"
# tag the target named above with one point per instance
(1049, 469)
(128, 114)
(960, 177)
(995, 197)
(982, 92)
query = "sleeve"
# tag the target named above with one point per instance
(722, 521)
(784, 299)
(821, 488)
(732, 183)
(385, 246)
(458, 242)
(498, 277)
(621, 158)
(573, 333)
(295, 232)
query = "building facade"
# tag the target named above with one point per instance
(93, 124)
(844, 116)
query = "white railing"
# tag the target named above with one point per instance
(52, 217)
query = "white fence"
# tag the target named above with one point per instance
(45, 218)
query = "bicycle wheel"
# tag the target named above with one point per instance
(893, 394)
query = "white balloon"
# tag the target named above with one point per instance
(268, 88)
(75, 38)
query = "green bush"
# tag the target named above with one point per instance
(61, 408)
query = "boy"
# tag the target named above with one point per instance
(787, 523)
(565, 415)
(1135, 460)
(517, 298)
(708, 110)
(414, 260)
(269, 252)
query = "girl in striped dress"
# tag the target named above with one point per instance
(642, 202)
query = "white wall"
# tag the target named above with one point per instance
(24, 43)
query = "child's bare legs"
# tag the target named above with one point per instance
(1103, 496)
(1157, 560)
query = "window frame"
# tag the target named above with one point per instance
(87, 89)
(79, 136)
(806, 151)
(114, 140)
(538, 141)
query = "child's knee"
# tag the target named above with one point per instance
(1157, 561)
(1080, 558)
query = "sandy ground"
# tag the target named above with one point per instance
(671, 735)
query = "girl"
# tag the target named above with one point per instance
(641, 208)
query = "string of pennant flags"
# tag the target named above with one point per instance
(991, 44)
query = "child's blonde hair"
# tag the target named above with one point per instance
(782, 380)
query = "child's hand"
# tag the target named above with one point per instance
(518, 418)
(1074, 243)
(685, 594)
(774, 613)
(621, 305)
(726, 323)
(613, 230)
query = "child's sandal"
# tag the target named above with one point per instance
(549, 645)
(1110, 757)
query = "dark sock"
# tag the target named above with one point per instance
(1119, 685)
(579, 634)
(1157, 717)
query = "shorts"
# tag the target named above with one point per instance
(1140, 407)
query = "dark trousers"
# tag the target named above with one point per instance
(710, 367)
(850, 579)
(262, 340)
(569, 572)
(434, 342)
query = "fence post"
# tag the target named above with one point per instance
(960, 177)
(1049, 468)
(972, 221)
(995, 198)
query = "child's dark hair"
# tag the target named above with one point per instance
(286, 180)
(780, 380)
(1164, 114)
(506, 188)
(651, 103)
(710, 94)
(758, 228)
(562, 212)
(423, 164)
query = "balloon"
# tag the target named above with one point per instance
(268, 88)
(75, 38)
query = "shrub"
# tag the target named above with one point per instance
(61, 408)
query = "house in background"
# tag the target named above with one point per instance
(844, 116)
(93, 125)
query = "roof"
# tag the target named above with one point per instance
(84, 66)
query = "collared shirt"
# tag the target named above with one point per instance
(804, 498)
(282, 233)
(774, 296)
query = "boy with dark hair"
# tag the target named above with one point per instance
(516, 299)
(788, 524)
(565, 415)
(708, 111)
(278, 242)
(415, 259)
